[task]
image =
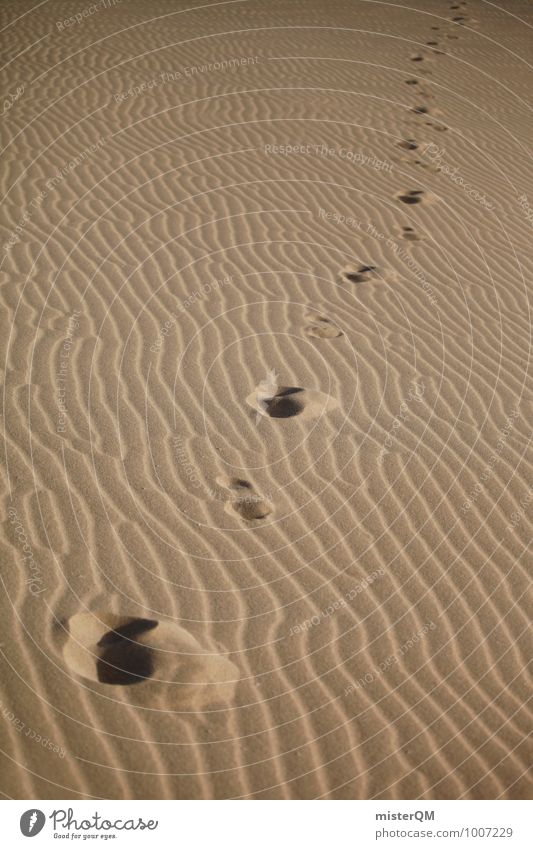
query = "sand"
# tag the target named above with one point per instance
(265, 274)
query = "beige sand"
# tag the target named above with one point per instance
(323, 593)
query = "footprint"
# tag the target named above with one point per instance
(411, 145)
(291, 401)
(420, 110)
(358, 274)
(384, 275)
(422, 56)
(433, 45)
(411, 197)
(159, 657)
(407, 144)
(428, 166)
(461, 20)
(244, 500)
(411, 82)
(439, 127)
(285, 403)
(410, 234)
(321, 327)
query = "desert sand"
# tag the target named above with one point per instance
(266, 271)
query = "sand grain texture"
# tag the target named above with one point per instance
(320, 591)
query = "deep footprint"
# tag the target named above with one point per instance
(165, 662)
(285, 403)
(292, 402)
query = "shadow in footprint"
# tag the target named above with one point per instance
(428, 166)
(407, 144)
(410, 145)
(411, 197)
(433, 45)
(124, 661)
(292, 401)
(285, 403)
(410, 234)
(461, 20)
(360, 274)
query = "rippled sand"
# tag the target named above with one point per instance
(265, 273)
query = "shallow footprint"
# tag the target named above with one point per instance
(358, 273)
(410, 145)
(434, 45)
(160, 658)
(428, 165)
(411, 197)
(243, 500)
(409, 234)
(407, 144)
(321, 327)
(441, 128)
